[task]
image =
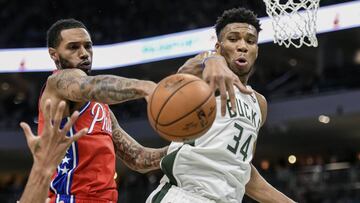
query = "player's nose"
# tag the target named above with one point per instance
(241, 46)
(83, 53)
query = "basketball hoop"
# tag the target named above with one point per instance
(294, 22)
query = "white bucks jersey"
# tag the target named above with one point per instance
(217, 165)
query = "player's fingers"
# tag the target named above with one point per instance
(242, 87)
(80, 134)
(71, 122)
(58, 115)
(27, 131)
(211, 83)
(223, 95)
(231, 92)
(47, 113)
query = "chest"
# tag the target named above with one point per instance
(96, 117)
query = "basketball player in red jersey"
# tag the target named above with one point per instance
(86, 173)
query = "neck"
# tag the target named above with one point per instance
(244, 80)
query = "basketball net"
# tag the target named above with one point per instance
(292, 26)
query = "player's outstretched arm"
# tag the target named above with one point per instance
(260, 190)
(212, 68)
(134, 155)
(75, 85)
(47, 150)
(257, 187)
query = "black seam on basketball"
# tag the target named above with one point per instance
(167, 124)
(169, 97)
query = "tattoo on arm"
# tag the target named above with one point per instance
(77, 86)
(134, 155)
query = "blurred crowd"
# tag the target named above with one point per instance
(110, 22)
(319, 182)
(24, 23)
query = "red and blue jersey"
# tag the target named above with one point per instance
(86, 173)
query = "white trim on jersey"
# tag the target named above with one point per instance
(73, 147)
(57, 198)
(51, 183)
(85, 107)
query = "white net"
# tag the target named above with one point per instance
(294, 22)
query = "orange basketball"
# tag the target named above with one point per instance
(181, 108)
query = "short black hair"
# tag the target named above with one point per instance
(236, 15)
(53, 36)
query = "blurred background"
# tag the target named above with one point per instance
(309, 147)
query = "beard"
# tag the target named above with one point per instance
(65, 64)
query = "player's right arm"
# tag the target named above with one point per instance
(212, 67)
(75, 85)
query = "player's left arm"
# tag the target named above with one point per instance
(134, 155)
(257, 187)
(260, 190)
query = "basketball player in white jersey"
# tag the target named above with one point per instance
(217, 166)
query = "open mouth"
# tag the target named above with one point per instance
(241, 61)
(85, 65)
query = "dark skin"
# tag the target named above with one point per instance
(73, 59)
(238, 45)
(236, 52)
(231, 64)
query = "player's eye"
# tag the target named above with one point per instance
(73, 47)
(88, 46)
(251, 41)
(232, 39)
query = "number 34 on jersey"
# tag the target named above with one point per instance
(240, 143)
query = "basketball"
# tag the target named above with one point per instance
(181, 108)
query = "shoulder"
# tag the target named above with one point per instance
(62, 76)
(62, 81)
(74, 72)
(263, 106)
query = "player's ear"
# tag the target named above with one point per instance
(53, 54)
(217, 47)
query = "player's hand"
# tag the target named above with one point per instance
(49, 148)
(219, 76)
